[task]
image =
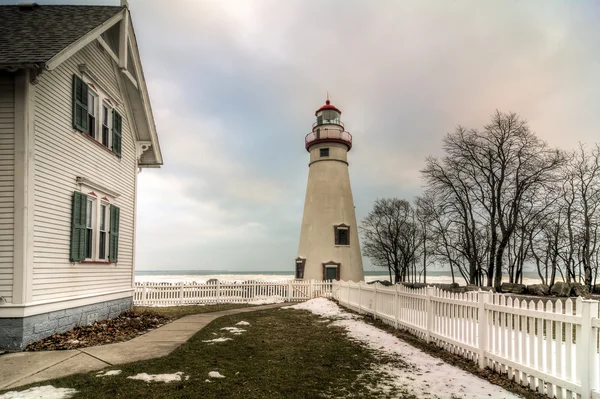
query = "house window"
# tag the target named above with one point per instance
(94, 228)
(342, 235)
(89, 228)
(105, 124)
(92, 104)
(324, 152)
(102, 244)
(300, 263)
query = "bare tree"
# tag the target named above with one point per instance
(391, 236)
(490, 174)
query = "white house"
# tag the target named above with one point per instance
(76, 127)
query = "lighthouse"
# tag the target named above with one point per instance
(329, 248)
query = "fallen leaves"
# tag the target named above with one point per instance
(122, 328)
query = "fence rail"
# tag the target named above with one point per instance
(552, 347)
(174, 294)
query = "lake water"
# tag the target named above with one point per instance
(201, 276)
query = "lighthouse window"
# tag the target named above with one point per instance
(342, 235)
(324, 152)
(300, 268)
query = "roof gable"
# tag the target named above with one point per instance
(33, 37)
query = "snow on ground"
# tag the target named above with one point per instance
(423, 375)
(323, 307)
(215, 374)
(108, 373)
(158, 377)
(234, 330)
(242, 323)
(222, 339)
(45, 392)
(266, 300)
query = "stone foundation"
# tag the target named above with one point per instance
(17, 332)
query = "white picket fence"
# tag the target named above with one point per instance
(551, 347)
(174, 294)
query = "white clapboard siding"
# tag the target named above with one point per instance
(7, 183)
(61, 155)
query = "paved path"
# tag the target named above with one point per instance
(17, 369)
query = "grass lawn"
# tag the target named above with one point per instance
(282, 354)
(175, 312)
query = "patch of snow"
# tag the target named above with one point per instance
(222, 339)
(266, 300)
(157, 377)
(207, 380)
(420, 374)
(323, 307)
(108, 373)
(242, 323)
(215, 374)
(233, 330)
(45, 392)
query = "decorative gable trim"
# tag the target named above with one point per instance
(74, 47)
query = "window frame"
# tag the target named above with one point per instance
(324, 152)
(300, 266)
(106, 221)
(89, 227)
(336, 229)
(101, 99)
(109, 116)
(332, 265)
(92, 111)
(99, 199)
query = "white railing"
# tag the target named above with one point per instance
(174, 294)
(551, 348)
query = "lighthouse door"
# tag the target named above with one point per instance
(331, 273)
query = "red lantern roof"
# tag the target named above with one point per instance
(327, 105)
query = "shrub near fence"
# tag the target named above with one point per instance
(175, 294)
(551, 348)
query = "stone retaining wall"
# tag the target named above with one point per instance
(16, 333)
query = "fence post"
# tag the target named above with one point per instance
(218, 291)
(144, 296)
(586, 364)
(290, 291)
(359, 296)
(310, 289)
(430, 291)
(396, 306)
(482, 322)
(181, 292)
(375, 301)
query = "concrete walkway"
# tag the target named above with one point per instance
(17, 369)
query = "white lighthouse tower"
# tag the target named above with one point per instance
(329, 247)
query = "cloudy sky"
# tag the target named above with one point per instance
(234, 86)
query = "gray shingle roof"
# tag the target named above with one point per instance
(35, 36)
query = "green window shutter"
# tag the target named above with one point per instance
(116, 133)
(113, 244)
(80, 104)
(78, 229)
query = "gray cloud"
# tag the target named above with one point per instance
(234, 86)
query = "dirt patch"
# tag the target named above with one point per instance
(123, 328)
